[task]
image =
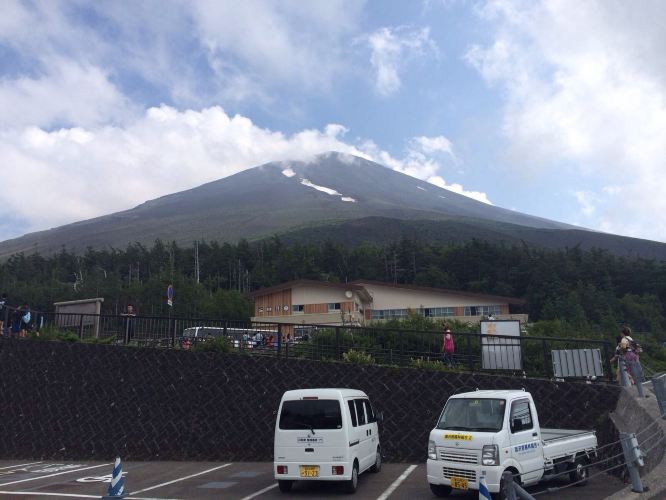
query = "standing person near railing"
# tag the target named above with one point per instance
(3, 311)
(448, 347)
(128, 322)
(25, 321)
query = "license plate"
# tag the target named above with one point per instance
(459, 483)
(309, 471)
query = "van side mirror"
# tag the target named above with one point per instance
(516, 425)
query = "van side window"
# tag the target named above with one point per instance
(369, 412)
(360, 414)
(352, 412)
(520, 410)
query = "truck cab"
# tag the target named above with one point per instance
(485, 433)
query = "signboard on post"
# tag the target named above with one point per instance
(501, 353)
(170, 295)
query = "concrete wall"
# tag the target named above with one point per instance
(85, 401)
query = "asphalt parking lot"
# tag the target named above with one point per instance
(237, 481)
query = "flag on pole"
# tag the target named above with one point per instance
(117, 486)
(484, 494)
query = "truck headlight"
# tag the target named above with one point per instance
(432, 452)
(490, 455)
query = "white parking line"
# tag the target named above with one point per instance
(179, 479)
(75, 495)
(36, 493)
(397, 483)
(56, 474)
(20, 465)
(260, 492)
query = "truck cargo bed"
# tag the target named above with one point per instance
(558, 443)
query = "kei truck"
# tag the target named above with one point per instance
(485, 433)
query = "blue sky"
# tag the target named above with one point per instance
(556, 109)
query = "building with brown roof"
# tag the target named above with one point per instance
(362, 301)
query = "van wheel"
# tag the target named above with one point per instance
(378, 462)
(352, 484)
(441, 490)
(285, 486)
(579, 472)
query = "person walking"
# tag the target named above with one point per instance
(448, 347)
(629, 351)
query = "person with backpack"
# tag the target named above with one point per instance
(25, 321)
(448, 347)
(628, 351)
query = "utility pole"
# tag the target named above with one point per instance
(196, 261)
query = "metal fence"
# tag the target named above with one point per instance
(524, 355)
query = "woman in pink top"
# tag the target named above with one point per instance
(448, 347)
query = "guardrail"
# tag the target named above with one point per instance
(524, 355)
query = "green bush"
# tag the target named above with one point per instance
(53, 333)
(358, 358)
(428, 364)
(218, 344)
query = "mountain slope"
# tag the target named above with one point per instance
(332, 190)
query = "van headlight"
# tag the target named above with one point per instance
(432, 452)
(490, 455)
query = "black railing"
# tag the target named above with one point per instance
(523, 355)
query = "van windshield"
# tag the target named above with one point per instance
(311, 414)
(466, 414)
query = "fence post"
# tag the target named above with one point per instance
(337, 343)
(173, 333)
(547, 369)
(607, 362)
(508, 486)
(401, 347)
(659, 386)
(624, 380)
(81, 327)
(470, 361)
(279, 339)
(632, 457)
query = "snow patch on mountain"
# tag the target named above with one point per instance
(422, 189)
(348, 198)
(288, 172)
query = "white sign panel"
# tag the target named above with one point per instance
(500, 353)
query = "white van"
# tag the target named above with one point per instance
(325, 434)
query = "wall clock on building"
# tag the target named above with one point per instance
(348, 294)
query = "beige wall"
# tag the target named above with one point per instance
(386, 297)
(309, 294)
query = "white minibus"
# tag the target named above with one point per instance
(325, 434)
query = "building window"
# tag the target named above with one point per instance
(482, 310)
(438, 312)
(334, 306)
(389, 313)
(297, 308)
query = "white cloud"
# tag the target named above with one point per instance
(67, 94)
(588, 202)
(588, 90)
(457, 188)
(83, 172)
(391, 49)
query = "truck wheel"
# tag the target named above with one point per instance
(352, 484)
(284, 485)
(441, 490)
(378, 462)
(579, 472)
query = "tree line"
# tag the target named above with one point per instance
(586, 290)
